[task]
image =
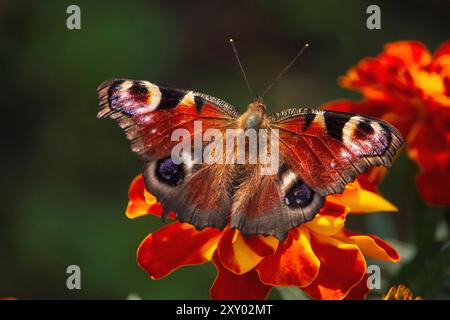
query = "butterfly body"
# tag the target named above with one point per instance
(319, 152)
(255, 116)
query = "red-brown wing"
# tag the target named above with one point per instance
(198, 194)
(272, 204)
(149, 113)
(329, 149)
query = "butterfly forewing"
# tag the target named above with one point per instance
(328, 149)
(149, 113)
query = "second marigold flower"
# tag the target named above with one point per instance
(409, 87)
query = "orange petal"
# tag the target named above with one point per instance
(330, 219)
(141, 202)
(230, 286)
(360, 291)
(175, 245)
(240, 254)
(411, 52)
(342, 266)
(359, 200)
(294, 263)
(371, 246)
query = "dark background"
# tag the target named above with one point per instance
(65, 174)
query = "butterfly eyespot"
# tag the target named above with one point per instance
(364, 129)
(299, 196)
(168, 172)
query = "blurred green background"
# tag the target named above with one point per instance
(66, 174)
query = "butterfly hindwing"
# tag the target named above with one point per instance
(197, 193)
(280, 203)
(328, 149)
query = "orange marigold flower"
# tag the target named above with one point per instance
(409, 87)
(400, 293)
(321, 257)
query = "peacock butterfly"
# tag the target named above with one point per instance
(319, 153)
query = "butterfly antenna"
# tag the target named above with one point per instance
(285, 69)
(240, 66)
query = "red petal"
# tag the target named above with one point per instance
(360, 291)
(230, 286)
(175, 245)
(388, 107)
(434, 186)
(373, 108)
(333, 209)
(430, 146)
(140, 201)
(294, 263)
(137, 187)
(444, 49)
(342, 266)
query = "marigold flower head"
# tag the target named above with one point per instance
(409, 87)
(321, 257)
(400, 292)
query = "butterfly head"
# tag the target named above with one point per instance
(255, 114)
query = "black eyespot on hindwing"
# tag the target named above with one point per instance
(168, 172)
(299, 195)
